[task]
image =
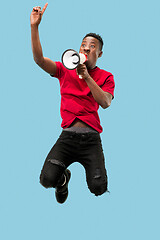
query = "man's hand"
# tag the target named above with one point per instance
(82, 71)
(36, 15)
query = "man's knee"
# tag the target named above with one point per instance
(51, 173)
(47, 181)
(98, 188)
(98, 184)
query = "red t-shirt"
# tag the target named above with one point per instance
(76, 97)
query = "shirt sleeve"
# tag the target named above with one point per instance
(59, 70)
(109, 85)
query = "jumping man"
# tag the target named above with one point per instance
(80, 139)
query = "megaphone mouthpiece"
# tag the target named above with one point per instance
(83, 58)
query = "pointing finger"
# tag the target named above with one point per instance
(44, 8)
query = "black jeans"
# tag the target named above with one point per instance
(85, 148)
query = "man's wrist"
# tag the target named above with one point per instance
(34, 26)
(88, 78)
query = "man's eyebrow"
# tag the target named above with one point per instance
(90, 42)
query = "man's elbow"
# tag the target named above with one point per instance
(39, 61)
(106, 104)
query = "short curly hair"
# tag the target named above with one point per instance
(97, 36)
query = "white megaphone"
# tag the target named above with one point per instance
(71, 59)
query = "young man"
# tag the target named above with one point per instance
(80, 99)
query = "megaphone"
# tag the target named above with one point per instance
(71, 59)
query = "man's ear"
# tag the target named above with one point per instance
(100, 54)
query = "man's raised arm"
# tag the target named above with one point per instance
(45, 63)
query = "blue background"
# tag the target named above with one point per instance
(30, 122)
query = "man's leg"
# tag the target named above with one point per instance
(51, 174)
(97, 180)
(93, 161)
(54, 172)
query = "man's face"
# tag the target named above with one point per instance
(90, 47)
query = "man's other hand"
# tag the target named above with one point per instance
(36, 15)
